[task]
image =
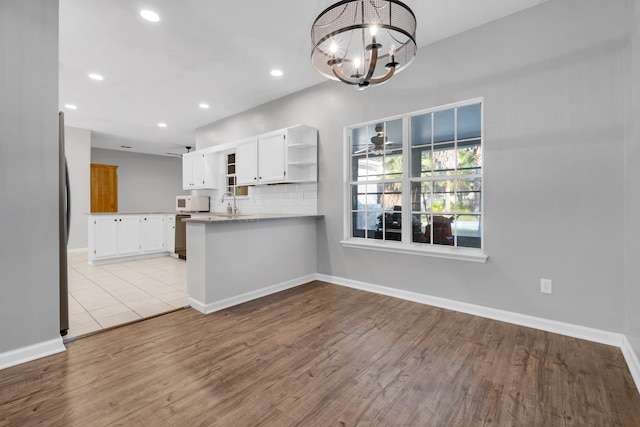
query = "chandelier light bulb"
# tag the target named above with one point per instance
(373, 30)
(356, 63)
(333, 48)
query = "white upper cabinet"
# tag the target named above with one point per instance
(247, 162)
(271, 158)
(199, 170)
(284, 156)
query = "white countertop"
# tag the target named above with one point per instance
(215, 217)
(148, 213)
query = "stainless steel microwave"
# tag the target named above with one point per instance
(192, 203)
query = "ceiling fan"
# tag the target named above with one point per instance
(188, 147)
(378, 142)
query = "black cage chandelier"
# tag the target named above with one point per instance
(363, 42)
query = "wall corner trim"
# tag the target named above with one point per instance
(632, 360)
(31, 352)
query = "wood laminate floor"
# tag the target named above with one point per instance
(323, 355)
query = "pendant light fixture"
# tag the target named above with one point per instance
(363, 42)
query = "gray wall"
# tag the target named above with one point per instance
(552, 78)
(145, 182)
(78, 152)
(632, 182)
(29, 254)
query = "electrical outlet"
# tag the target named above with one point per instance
(545, 286)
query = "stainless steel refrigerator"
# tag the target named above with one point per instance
(64, 216)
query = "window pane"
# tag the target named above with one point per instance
(393, 134)
(368, 168)
(377, 138)
(365, 197)
(393, 166)
(421, 162)
(443, 196)
(359, 223)
(468, 195)
(421, 196)
(420, 223)
(469, 121)
(355, 168)
(421, 129)
(439, 231)
(392, 197)
(443, 125)
(355, 197)
(444, 159)
(467, 228)
(469, 157)
(361, 139)
(390, 228)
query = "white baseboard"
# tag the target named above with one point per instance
(197, 305)
(632, 361)
(31, 352)
(575, 331)
(77, 250)
(248, 296)
(127, 258)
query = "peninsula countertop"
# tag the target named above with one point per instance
(140, 213)
(215, 217)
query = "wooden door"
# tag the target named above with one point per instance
(104, 188)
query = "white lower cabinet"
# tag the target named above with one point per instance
(104, 234)
(170, 233)
(128, 235)
(152, 233)
(119, 236)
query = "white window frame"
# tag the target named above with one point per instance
(406, 246)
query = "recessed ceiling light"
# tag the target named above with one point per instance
(70, 106)
(276, 73)
(162, 125)
(150, 15)
(203, 105)
(95, 76)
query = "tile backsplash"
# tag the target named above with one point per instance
(270, 199)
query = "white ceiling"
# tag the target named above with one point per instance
(208, 51)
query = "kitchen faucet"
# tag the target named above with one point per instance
(235, 206)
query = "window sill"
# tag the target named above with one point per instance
(464, 254)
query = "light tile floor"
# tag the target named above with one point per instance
(101, 296)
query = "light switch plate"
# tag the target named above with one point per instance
(545, 286)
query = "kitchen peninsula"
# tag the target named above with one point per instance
(238, 258)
